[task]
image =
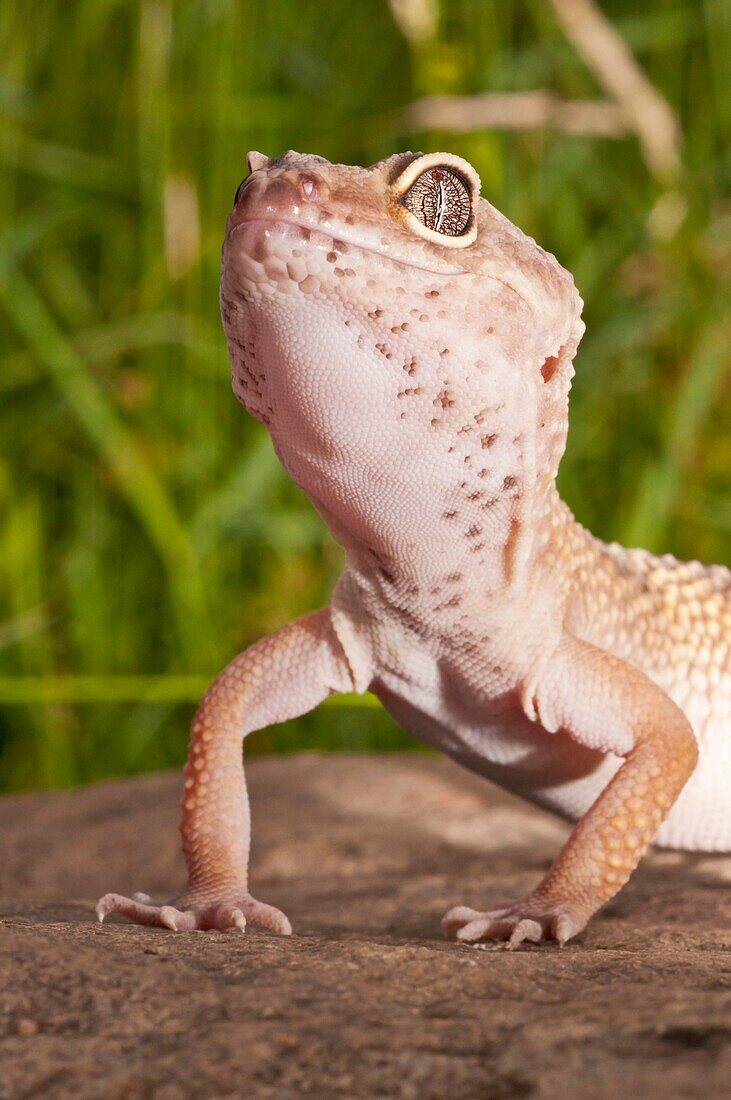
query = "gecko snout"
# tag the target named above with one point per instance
(279, 192)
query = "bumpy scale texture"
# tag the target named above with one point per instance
(415, 384)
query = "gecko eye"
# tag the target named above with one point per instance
(440, 199)
(437, 194)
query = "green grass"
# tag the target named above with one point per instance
(147, 532)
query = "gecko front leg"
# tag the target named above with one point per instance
(280, 677)
(603, 703)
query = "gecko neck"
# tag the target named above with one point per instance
(458, 493)
(493, 542)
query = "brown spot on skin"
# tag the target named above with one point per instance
(432, 294)
(375, 313)
(450, 515)
(509, 483)
(443, 352)
(453, 601)
(349, 219)
(484, 473)
(476, 494)
(434, 422)
(454, 578)
(511, 546)
(473, 531)
(488, 441)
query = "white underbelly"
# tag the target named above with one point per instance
(550, 769)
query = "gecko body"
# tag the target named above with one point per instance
(410, 352)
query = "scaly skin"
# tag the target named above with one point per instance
(416, 387)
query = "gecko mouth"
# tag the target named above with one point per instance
(331, 239)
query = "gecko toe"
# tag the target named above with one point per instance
(526, 929)
(485, 927)
(458, 917)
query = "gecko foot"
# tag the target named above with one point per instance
(527, 919)
(203, 913)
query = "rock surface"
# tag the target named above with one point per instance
(366, 999)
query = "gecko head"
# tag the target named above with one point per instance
(389, 316)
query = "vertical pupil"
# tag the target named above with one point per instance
(441, 203)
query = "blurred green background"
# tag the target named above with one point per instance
(147, 533)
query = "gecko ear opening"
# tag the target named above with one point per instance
(436, 198)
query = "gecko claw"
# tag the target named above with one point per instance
(565, 926)
(167, 917)
(525, 929)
